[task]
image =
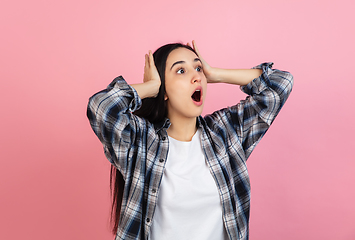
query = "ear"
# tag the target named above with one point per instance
(165, 97)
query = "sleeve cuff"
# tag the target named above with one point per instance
(121, 83)
(258, 84)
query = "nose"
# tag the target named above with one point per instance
(196, 77)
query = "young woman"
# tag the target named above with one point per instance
(179, 175)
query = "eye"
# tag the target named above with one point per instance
(181, 71)
(199, 69)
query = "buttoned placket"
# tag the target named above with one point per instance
(215, 168)
(154, 189)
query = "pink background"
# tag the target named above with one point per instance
(54, 178)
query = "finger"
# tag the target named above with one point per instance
(188, 44)
(146, 63)
(204, 63)
(151, 59)
(195, 48)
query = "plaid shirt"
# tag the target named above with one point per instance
(139, 149)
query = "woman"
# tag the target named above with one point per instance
(184, 176)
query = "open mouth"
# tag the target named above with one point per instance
(196, 96)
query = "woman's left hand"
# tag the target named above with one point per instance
(207, 69)
(231, 76)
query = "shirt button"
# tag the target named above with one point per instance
(154, 190)
(161, 160)
(163, 138)
(148, 219)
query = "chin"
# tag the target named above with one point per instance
(198, 113)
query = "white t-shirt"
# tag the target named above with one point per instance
(188, 204)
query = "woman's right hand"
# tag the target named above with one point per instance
(151, 74)
(151, 79)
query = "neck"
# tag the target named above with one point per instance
(182, 129)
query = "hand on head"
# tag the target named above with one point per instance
(151, 74)
(207, 69)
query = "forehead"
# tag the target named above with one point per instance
(180, 54)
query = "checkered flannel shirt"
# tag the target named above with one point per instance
(139, 149)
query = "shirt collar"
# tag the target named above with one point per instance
(165, 124)
(200, 121)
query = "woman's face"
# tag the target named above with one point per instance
(185, 84)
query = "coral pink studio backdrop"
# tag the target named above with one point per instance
(55, 54)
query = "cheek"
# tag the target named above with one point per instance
(173, 92)
(169, 85)
(170, 90)
(174, 89)
(204, 86)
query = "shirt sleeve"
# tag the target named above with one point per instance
(110, 114)
(247, 122)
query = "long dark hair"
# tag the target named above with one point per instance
(152, 109)
(155, 109)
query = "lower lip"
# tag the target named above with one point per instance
(198, 103)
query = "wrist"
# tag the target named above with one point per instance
(153, 87)
(214, 75)
(147, 89)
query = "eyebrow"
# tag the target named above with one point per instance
(180, 62)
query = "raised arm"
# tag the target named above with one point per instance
(246, 122)
(232, 76)
(110, 113)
